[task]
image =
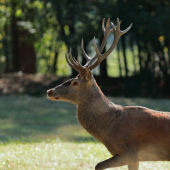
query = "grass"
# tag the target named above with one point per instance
(36, 133)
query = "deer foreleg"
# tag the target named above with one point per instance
(134, 166)
(117, 161)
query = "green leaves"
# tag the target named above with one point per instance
(18, 13)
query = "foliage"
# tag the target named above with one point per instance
(47, 28)
(150, 33)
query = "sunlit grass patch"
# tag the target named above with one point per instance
(59, 155)
(54, 155)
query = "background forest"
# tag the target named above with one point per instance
(38, 134)
(34, 37)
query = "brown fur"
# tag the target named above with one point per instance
(131, 133)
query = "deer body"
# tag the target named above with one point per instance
(131, 133)
(141, 133)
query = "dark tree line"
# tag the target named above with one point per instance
(150, 32)
(25, 44)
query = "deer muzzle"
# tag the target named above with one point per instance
(51, 94)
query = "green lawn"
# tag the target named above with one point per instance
(36, 133)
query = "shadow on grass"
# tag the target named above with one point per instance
(30, 119)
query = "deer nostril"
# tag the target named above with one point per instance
(49, 92)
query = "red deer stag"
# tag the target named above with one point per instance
(131, 133)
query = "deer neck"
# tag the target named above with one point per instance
(95, 101)
(95, 113)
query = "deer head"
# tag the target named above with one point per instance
(78, 89)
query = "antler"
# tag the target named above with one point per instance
(74, 64)
(98, 57)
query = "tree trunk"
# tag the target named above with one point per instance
(6, 53)
(68, 40)
(5, 42)
(54, 68)
(26, 47)
(162, 62)
(139, 56)
(119, 63)
(124, 55)
(103, 69)
(133, 55)
(167, 44)
(27, 54)
(14, 38)
(103, 65)
(74, 47)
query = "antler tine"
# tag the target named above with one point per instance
(71, 58)
(78, 59)
(114, 28)
(106, 33)
(74, 60)
(118, 24)
(107, 24)
(117, 34)
(79, 62)
(83, 51)
(127, 29)
(76, 65)
(97, 50)
(98, 57)
(70, 64)
(103, 27)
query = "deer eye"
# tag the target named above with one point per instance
(76, 83)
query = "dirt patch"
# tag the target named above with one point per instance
(32, 84)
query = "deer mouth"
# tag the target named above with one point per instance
(57, 97)
(53, 98)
